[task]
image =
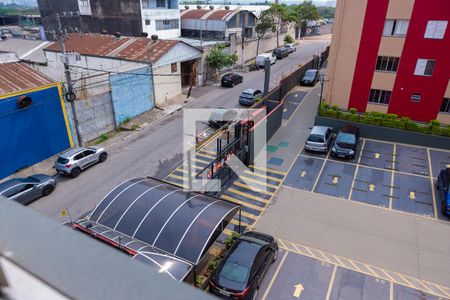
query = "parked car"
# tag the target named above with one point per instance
(26, 190)
(75, 160)
(249, 97)
(242, 270)
(442, 184)
(219, 118)
(319, 139)
(310, 78)
(281, 52)
(290, 48)
(231, 79)
(261, 59)
(346, 141)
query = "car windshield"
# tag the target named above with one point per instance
(346, 138)
(62, 160)
(315, 138)
(310, 73)
(235, 272)
(248, 96)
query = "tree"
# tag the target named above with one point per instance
(261, 29)
(304, 12)
(217, 59)
(326, 12)
(279, 16)
(288, 39)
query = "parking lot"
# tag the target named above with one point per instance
(305, 273)
(389, 175)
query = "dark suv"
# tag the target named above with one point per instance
(346, 142)
(281, 53)
(442, 184)
(242, 270)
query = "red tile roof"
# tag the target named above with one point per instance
(127, 48)
(16, 77)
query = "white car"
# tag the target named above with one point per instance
(261, 59)
(290, 47)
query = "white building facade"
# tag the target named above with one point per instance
(161, 17)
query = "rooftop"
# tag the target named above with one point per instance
(16, 77)
(208, 14)
(138, 49)
(29, 50)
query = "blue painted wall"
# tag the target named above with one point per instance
(33, 134)
(132, 93)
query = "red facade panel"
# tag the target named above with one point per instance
(371, 34)
(431, 88)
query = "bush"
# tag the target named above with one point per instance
(288, 39)
(199, 280)
(353, 111)
(334, 107)
(229, 240)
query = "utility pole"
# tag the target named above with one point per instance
(69, 95)
(266, 76)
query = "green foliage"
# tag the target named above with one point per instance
(218, 59)
(199, 280)
(303, 12)
(353, 111)
(213, 263)
(288, 39)
(278, 16)
(229, 240)
(326, 12)
(263, 25)
(104, 137)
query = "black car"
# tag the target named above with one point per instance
(242, 270)
(310, 78)
(281, 53)
(221, 117)
(346, 141)
(231, 79)
(442, 185)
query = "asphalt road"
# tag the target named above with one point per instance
(157, 149)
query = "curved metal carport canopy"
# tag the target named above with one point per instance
(183, 224)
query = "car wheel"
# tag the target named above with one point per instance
(255, 294)
(275, 256)
(103, 157)
(75, 172)
(48, 190)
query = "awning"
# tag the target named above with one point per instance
(183, 224)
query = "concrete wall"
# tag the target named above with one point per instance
(160, 14)
(95, 115)
(167, 84)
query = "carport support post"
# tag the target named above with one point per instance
(266, 76)
(239, 221)
(189, 170)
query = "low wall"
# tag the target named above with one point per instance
(95, 116)
(389, 134)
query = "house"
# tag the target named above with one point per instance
(32, 116)
(129, 17)
(391, 56)
(117, 78)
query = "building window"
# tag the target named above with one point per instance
(160, 3)
(416, 97)
(424, 67)
(380, 96)
(167, 24)
(173, 67)
(147, 22)
(387, 64)
(445, 107)
(395, 27)
(145, 3)
(435, 29)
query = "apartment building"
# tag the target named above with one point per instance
(391, 56)
(129, 17)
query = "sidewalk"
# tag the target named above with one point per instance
(126, 130)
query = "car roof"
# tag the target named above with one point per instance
(247, 252)
(228, 74)
(248, 91)
(71, 152)
(265, 54)
(310, 70)
(10, 183)
(319, 130)
(349, 129)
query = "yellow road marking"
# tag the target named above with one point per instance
(432, 184)
(236, 222)
(274, 276)
(201, 160)
(263, 176)
(175, 176)
(179, 184)
(227, 231)
(207, 151)
(247, 195)
(248, 215)
(226, 197)
(237, 183)
(206, 155)
(195, 166)
(371, 187)
(268, 170)
(259, 182)
(330, 286)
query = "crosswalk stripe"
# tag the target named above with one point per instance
(243, 203)
(205, 155)
(176, 183)
(251, 188)
(248, 215)
(207, 151)
(269, 170)
(247, 195)
(195, 166)
(264, 176)
(236, 222)
(176, 176)
(258, 182)
(227, 231)
(201, 161)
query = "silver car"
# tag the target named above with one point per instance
(75, 160)
(319, 140)
(249, 97)
(26, 190)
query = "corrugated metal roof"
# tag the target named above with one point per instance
(127, 48)
(193, 14)
(30, 50)
(16, 77)
(222, 14)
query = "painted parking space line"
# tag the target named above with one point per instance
(400, 292)
(336, 179)
(439, 160)
(274, 276)
(374, 271)
(433, 190)
(353, 186)
(412, 160)
(304, 172)
(376, 154)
